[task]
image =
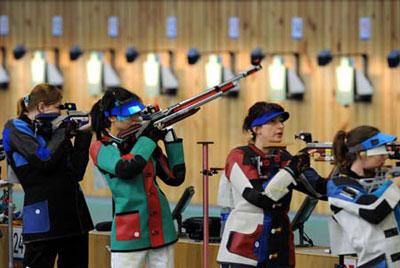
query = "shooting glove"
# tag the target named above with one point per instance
(170, 135)
(43, 128)
(299, 163)
(43, 124)
(154, 133)
(71, 127)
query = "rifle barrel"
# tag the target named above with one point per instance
(216, 91)
(205, 97)
(186, 108)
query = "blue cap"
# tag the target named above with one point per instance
(375, 141)
(267, 117)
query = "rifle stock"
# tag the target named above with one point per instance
(320, 151)
(81, 118)
(323, 151)
(179, 111)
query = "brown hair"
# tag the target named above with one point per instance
(46, 93)
(344, 140)
(257, 110)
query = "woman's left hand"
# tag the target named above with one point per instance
(396, 180)
(86, 127)
(299, 163)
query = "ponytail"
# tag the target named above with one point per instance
(99, 121)
(343, 140)
(343, 159)
(21, 107)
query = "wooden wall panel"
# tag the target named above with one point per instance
(203, 24)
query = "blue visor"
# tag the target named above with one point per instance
(267, 117)
(375, 141)
(126, 109)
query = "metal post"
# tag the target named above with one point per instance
(205, 201)
(10, 226)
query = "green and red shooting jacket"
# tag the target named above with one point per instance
(142, 218)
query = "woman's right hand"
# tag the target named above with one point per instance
(299, 163)
(396, 180)
(154, 133)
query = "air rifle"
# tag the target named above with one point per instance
(177, 112)
(80, 118)
(320, 151)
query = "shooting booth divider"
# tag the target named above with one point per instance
(181, 206)
(8, 184)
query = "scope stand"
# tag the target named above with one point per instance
(304, 238)
(10, 227)
(206, 172)
(205, 201)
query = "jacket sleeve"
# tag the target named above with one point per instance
(372, 207)
(40, 156)
(108, 158)
(239, 175)
(171, 169)
(225, 194)
(79, 155)
(312, 184)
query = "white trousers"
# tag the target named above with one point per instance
(154, 258)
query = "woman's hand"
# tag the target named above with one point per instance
(299, 163)
(396, 180)
(154, 133)
(170, 135)
(87, 126)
